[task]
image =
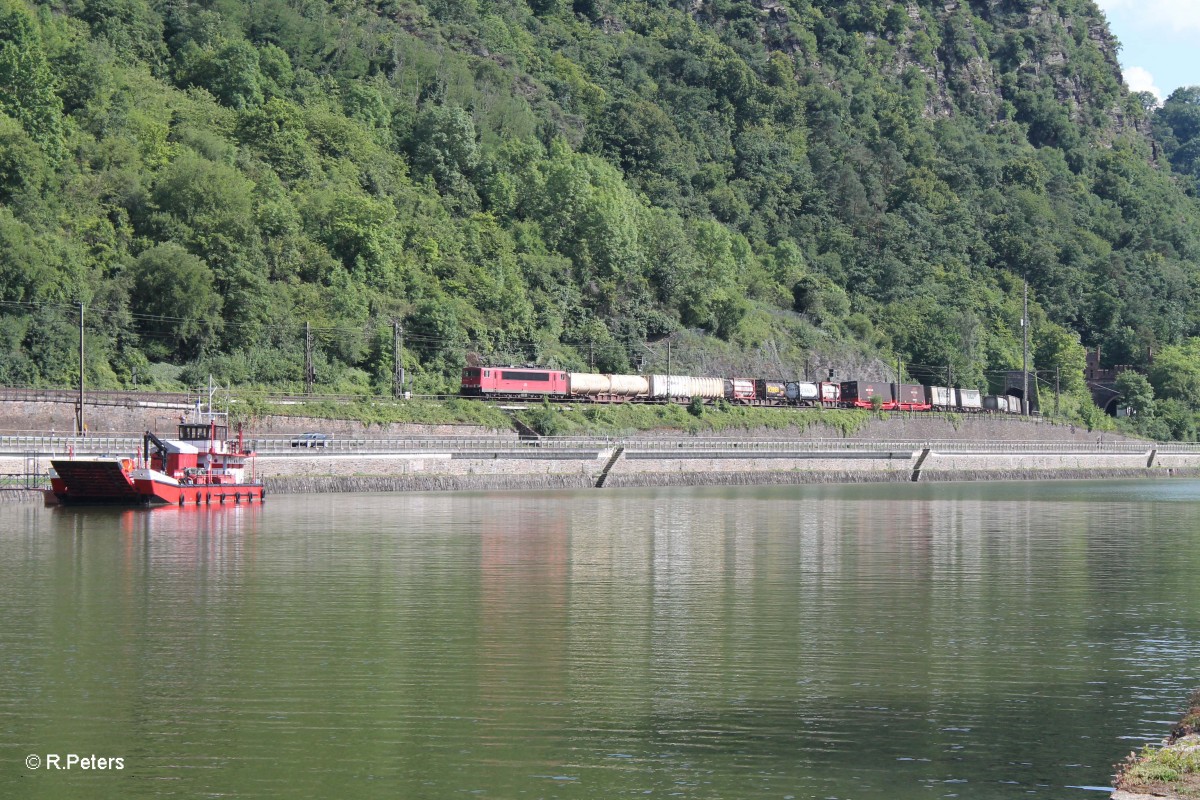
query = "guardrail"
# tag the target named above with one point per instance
(23, 480)
(127, 444)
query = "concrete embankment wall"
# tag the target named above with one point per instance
(527, 470)
(19, 496)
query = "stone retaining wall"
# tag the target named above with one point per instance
(46, 417)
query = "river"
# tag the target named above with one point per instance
(994, 640)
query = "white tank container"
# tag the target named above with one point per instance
(665, 387)
(630, 385)
(802, 390)
(588, 384)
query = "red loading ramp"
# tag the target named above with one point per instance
(95, 480)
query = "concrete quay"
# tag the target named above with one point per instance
(440, 464)
(893, 448)
(632, 464)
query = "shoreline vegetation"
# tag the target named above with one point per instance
(568, 419)
(1170, 770)
(591, 419)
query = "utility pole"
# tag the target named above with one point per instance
(397, 359)
(1056, 391)
(309, 372)
(1025, 357)
(949, 376)
(592, 355)
(668, 355)
(79, 423)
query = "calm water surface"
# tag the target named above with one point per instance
(977, 641)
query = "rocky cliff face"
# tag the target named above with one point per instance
(988, 58)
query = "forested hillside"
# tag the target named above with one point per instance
(772, 182)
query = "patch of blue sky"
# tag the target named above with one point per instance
(1158, 39)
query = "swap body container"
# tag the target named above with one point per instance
(939, 397)
(969, 399)
(911, 397)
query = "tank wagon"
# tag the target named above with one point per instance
(685, 387)
(607, 388)
(534, 383)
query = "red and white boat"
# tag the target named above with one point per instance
(201, 467)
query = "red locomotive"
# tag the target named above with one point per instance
(513, 382)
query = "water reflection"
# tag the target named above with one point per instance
(889, 641)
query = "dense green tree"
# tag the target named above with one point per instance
(175, 298)
(27, 86)
(1175, 373)
(444, 148)
(1136, 393)
(562, 184)
(1178, 124)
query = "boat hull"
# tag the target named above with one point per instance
(106, 482)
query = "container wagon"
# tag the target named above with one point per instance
(831, 394)
(607, 388)
(970, 400)
(939, 398)
(739, 390)
(857, 394)
(995, 403)
(685, 387)
(911, 397)
(802, 393)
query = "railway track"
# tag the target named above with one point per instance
(131, 398)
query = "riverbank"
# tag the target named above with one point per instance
(888, 448)
(697, 463)
(1170, 771)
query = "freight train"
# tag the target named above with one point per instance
(523, 383)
